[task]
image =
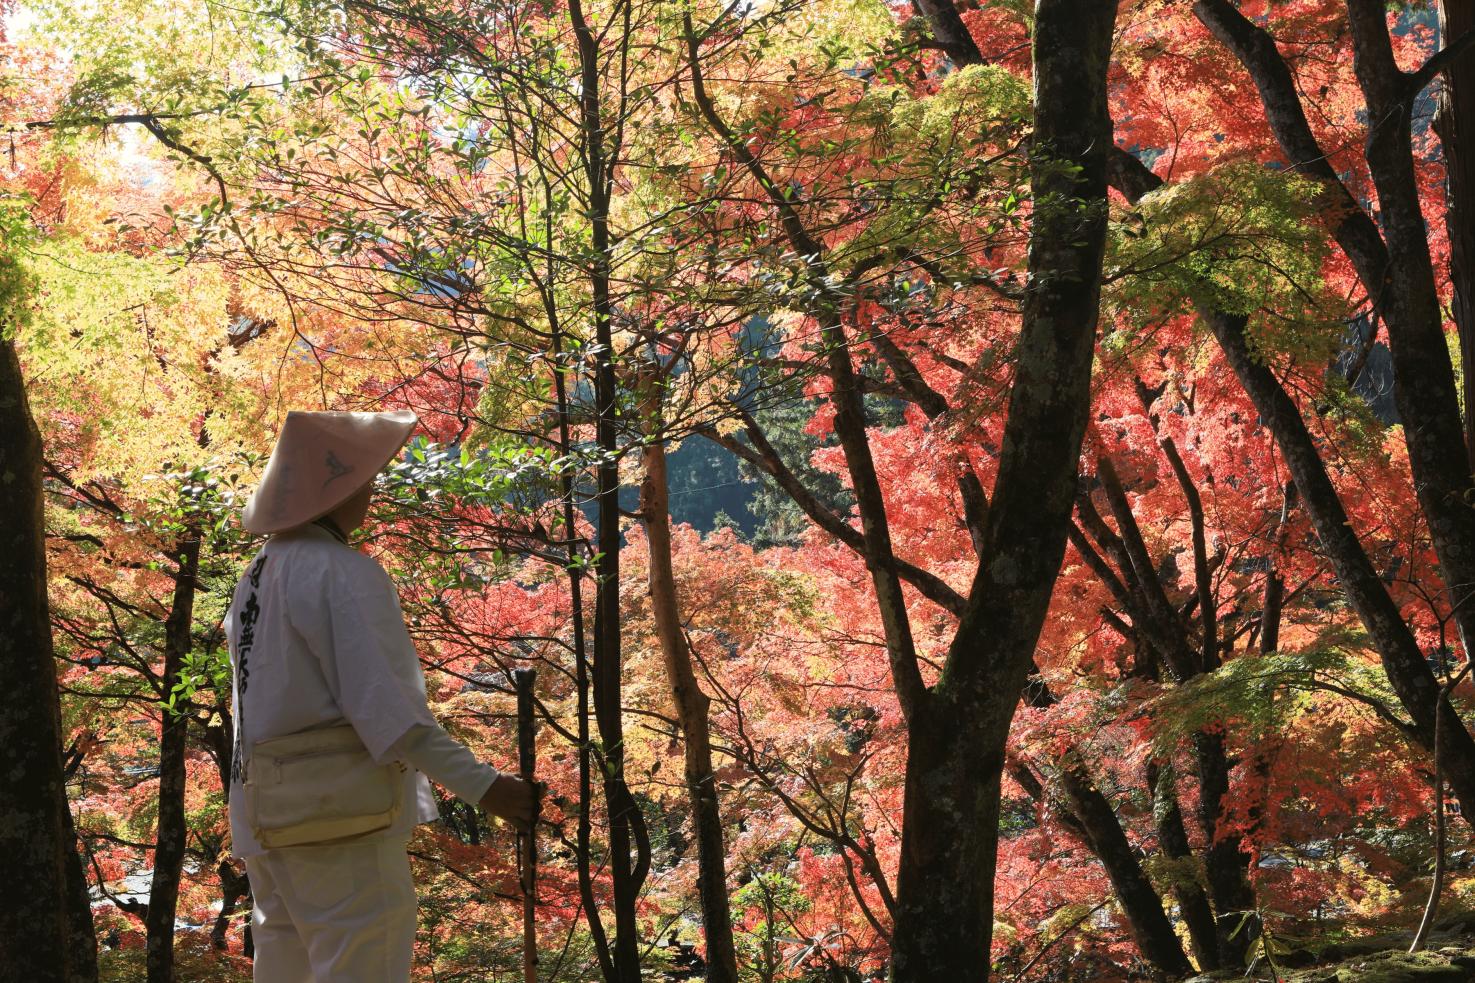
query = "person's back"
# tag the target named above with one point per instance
(309, 597)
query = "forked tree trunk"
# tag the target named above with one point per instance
(1085, 810)
(46, 931)
(1399, 272)
(956, 728)
(956, 735)
(1403, 661)
(693, 715)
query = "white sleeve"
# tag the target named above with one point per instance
(445, 759)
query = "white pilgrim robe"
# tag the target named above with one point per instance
(316, 637)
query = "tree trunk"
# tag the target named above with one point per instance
(47, 935)
(172, 832)
(1399, 273)
(1423, 377)
(950, 838)
(1454, 122)
(1193, 903)
(1151, 928)
(234, 888)
(692, 713)
(1091, 818)
(629, 848)
(955, 756)
(957, 728)
(626, 870)
(1403, 662)
(583, 859)
(950, 33)
(1225, 864)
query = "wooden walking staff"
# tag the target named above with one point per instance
(527, 853)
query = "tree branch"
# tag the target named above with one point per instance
(1440, 61)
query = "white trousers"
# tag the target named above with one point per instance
(333, 914)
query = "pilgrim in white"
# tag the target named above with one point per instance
(334, 738)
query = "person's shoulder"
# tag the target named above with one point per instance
(295, 546)
(308, 551)
(327, 558)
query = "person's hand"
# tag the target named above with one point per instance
(512, 799)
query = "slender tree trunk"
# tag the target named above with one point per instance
(234, 889)
(622, 809)
(1092, 819)
(1225, 864)
(629, 850)
(1454, 122)
(1272, 607)
(46, 931)
(692, 711)
(172, 832)
(607, 668)
(1151, 928)
(584, 832)
(1403, 661)
(1436, 887)
(1193, 903)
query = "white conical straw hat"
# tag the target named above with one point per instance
(320, 460)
